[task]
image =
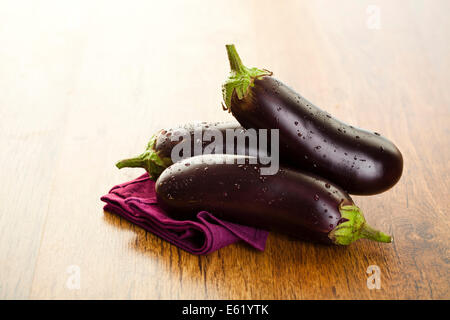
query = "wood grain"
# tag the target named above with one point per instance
(83, 84)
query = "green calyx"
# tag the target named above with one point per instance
(355, 228)
(150, 160)
(241, 78)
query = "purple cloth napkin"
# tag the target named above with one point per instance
(136, 202)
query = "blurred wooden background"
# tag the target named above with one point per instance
(85, 83)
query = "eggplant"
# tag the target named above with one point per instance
(360, 161)
(295, 203)
(157, 155)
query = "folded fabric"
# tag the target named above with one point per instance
(136, 202)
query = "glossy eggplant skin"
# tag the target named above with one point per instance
(164, 144)
(301, 205)
(361, 162)
(158, 154)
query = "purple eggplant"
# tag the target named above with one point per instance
(295, 203)
(157, 155)
(361, 162)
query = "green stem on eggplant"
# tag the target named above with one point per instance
(149, 160)
(136, 162)
(355, 228)
(236, 64)
(241, 77)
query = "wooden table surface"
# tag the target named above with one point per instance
(83, 84)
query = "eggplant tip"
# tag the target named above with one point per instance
(355, 227)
